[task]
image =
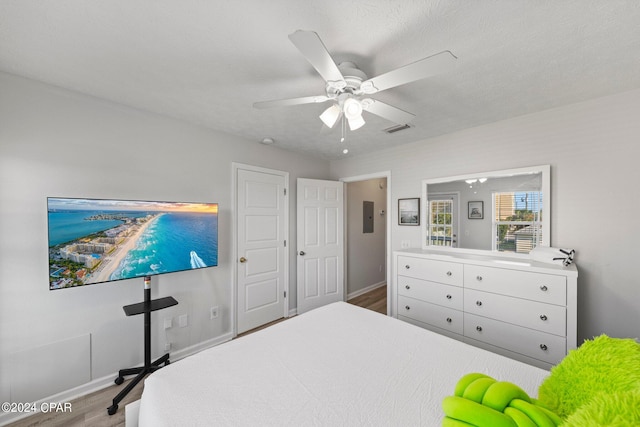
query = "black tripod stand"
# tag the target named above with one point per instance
(145, 307)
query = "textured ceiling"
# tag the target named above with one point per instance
(206, 62)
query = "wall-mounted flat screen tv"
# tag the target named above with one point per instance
(99, 240)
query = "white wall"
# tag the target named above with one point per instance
(366, 252)
(593, 150)
(58, 143)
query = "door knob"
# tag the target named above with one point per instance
(243, 259)
(302, 253)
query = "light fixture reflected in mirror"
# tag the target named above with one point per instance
(480, 180)
(473, 181)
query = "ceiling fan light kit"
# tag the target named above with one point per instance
(331, 115)
(346, 85)
(352, 108)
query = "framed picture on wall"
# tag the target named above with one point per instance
(476, 210)
(409, 211)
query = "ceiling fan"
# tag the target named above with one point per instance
(349, 87)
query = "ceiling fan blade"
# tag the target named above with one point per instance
(312, 48)
(387, 111)
(426, 67)
(291, 101)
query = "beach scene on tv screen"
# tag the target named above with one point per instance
(94, 241)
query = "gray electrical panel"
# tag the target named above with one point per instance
(367, 217)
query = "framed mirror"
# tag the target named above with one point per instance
(505, 211)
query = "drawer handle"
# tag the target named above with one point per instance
(479, 278)
(544, 288)
(407, 266)
(448, 296)
(543, 317)
(407, 286)
(479, 328)
(407, 307)
(449, 273)
(543, 347)
(478, 303)
(449, 320)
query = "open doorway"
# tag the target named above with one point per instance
(366, 237)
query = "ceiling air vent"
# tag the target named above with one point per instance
(396, 128)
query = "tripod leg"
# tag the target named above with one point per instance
(164, 359)
(113, 408)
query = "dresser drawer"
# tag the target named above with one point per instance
(530, 314)
(449, 273)
(541, 287)
(432, 328)
(436, 293)
(436, 315)
(539, 345)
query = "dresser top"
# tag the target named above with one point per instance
(490, 260)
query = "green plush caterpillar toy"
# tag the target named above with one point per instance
(481, 401)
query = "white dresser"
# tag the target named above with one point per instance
(522, 309)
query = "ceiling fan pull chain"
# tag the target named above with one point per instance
(345, 150)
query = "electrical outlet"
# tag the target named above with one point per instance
(405, 244)
(213, 313)
(183, 321)
(167, 346)
(168, 323)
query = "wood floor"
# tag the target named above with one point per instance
(375, 300)
(91, 410)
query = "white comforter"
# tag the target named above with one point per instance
(338, 365)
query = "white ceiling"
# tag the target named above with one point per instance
(206, 62)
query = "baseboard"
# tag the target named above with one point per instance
(365, 290)
(181, 354)
(106, 381)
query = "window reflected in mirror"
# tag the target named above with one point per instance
(517, 221)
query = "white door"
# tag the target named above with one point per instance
(261, 254)
(320, 246)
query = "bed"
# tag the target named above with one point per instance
(336, 365)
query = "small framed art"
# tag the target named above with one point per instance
(476, 210)
(409, 211)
